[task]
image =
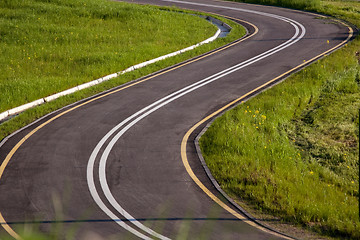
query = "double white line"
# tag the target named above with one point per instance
(126, 124)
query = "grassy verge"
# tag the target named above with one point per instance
(292, 151)
(48, 46)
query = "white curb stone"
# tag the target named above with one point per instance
(24, 107)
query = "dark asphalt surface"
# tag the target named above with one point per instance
(144, 169)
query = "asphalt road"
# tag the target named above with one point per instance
(112, 165)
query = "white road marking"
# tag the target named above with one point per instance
(100, 203)
(299, 33)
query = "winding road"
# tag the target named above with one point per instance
(123, 164)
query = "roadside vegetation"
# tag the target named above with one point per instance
(48, 46)
(292, 151)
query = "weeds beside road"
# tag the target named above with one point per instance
(50, 46)
(292, 151)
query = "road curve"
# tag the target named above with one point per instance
(116, 165)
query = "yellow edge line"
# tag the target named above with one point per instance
(3, 222)
(187, 135)
(8, 228)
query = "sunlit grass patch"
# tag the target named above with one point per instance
(263, 152)
(293, 150)
(50, 46)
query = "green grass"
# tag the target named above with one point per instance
(48, 46)
(292, 151)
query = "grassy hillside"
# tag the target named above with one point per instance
(292, 151)
(48, 46)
